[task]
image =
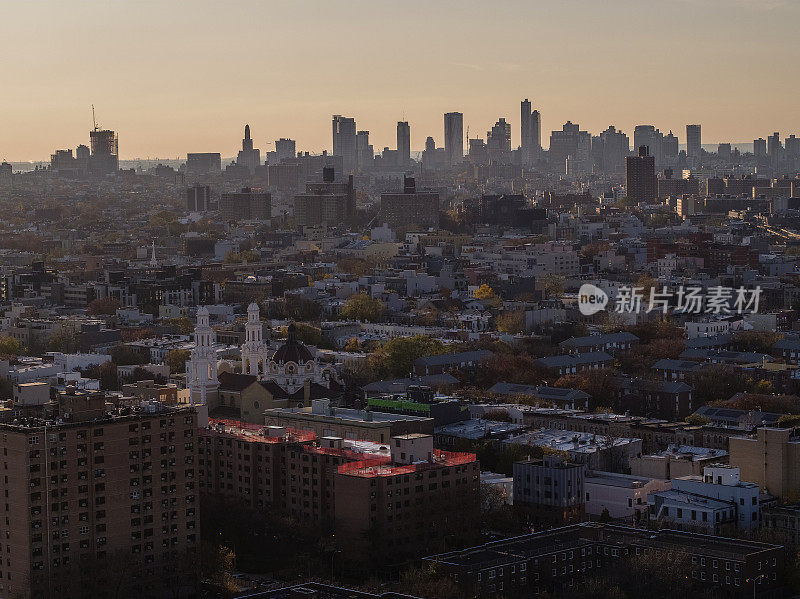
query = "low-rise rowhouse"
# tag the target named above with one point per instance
(610, 342)
(676, 370)
(575, 363)
(556, 559)
(573, 399)
(445, 362)
(788, 349)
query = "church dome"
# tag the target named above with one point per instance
(293, 350)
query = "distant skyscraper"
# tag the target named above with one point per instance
(640, 174)
(453, 137)
(344, 141)
(536, 133)
(498, 139)
(249, 157)
(365, 153)
(760, 147)
(530, 132)
(285, 148)
(403, 143)
(792, 147)
(724, 151)
(610, 149)
(669, 148)
(774, 144)
(571, 143)
(648, 135)
(693, 141)
(525, 138)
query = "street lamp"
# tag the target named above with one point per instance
(755, 580)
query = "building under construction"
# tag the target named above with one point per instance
(105, 151)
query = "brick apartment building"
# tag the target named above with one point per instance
(97, 497)
(557, 558)
(408, 494)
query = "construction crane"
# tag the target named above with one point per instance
(94, 120)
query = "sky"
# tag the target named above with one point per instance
(185, 76)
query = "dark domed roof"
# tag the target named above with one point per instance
(292, 350)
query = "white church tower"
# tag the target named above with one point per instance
(201, 368)
(254, 350)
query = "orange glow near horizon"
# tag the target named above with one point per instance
(173, 77)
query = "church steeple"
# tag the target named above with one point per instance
(201, 369)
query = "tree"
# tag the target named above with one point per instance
(103, 306)
(9, 346)
(65, 340)
(396, 357)
(697, 419)
(183, 325)
(488, 296)
(552, 285)
(511, 321)
(176, 360)
(308, 334)
(108, 376)
(362, 307)
(124, 355)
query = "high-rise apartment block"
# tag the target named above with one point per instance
(247, 204)
(640, 174)
(97, 497)
(409, 495)
(411, 208)
(198, 198)
(329, 203)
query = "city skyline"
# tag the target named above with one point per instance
(191, 88)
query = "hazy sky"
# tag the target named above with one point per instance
(173, 76)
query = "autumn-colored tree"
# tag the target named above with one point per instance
(511, 321)
(353, 345)
(362, 307)
(552, 285)
(755, 341)
(488, 296)
(103, 306)
(697, 420)
(9, 346)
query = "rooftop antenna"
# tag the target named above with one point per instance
(94, 120)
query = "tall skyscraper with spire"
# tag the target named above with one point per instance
(248, 157)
